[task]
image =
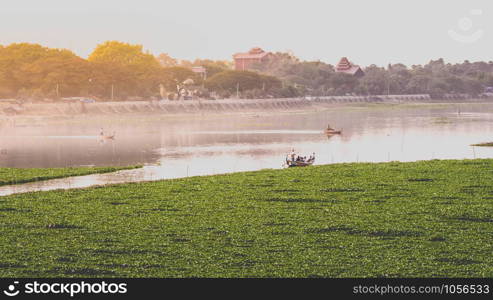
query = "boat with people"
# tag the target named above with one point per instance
(331, 131)
(293, 160)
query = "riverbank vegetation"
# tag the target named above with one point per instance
(121, 71)
(17, 175)
(436, 78)
(417, 219)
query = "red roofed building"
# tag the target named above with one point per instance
(243, 61)
(345, 66)
(200, 71)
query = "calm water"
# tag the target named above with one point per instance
(203, 145)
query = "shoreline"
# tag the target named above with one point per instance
(252, 108)
(198, 107)
(35, 186)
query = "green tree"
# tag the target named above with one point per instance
(166, 61)
(310, 76)
(213, 67)
(138, 72)
(21, 67)
(173, 76)
(122, 54)
(374, 82)
(343, 83)
(62, 75)
(241, 81)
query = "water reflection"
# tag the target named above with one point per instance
(193, 146)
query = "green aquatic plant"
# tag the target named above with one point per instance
(18, 175)
(417, 219)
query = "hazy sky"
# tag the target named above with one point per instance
(367, 31)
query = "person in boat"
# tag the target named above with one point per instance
(329, 128)
(293, 155)
(312, 157)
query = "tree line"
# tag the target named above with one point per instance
(116, 70)
(436, 78)
(119, 71)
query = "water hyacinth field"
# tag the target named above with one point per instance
(415, 219)
(18, 175)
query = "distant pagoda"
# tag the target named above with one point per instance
(243, 61)
(345, 66)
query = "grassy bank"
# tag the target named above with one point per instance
(431, 219)
(16, 175)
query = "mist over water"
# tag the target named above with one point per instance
(202, 145)
(263, 140)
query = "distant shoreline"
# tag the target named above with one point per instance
(200, 107)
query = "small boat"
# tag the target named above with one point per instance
(106, 137)
(300, 163)
(332, 131)
(290, 162)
